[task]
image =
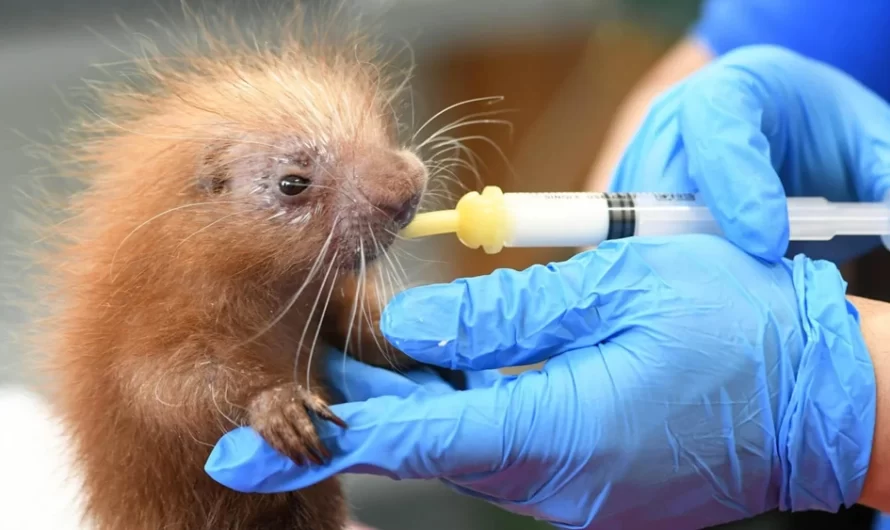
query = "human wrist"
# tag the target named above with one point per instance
(875, 326)
(825, 432)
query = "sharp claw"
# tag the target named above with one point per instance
(318, 450)
(294, 437)
(275, 442)
(337, 421)
(327, 414)
(323, 451)
(315, 457)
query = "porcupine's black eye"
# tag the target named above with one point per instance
(292, 185)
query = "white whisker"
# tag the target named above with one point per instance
(324, 310)
(460, 124)
(312, 314)
(489, 99)
(296, 296)
(196, 232)
(146, 223)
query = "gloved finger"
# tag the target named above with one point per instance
(484, 378)
(457, 380)
(420, 436)
(356, 381)
(243, 461)
(728, 122)
(838, 250)
(512, 318)
(869, 139)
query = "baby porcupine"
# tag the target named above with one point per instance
(236, 209)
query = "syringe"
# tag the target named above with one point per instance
(494, 220)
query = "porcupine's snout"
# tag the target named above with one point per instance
(403, 211)
(387, 189)
(392, 186)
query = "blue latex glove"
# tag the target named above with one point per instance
(687, 384)
(754, 125)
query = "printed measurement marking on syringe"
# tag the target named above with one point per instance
(674, 197)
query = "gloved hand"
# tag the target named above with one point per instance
(757, 124)
(687, 384)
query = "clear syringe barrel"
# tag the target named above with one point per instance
(588, 219)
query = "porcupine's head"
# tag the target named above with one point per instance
(304, 158)
(253, 158)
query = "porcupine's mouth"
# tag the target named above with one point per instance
(384, 236)
(370, 249)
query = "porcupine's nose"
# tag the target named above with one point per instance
(392, 183)
(404, 214)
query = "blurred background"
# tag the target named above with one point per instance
(562, 66)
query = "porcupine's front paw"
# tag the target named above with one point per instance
(283, 417)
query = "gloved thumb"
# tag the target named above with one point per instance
(420, 436)
(723, 119)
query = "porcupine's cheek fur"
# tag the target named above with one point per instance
(280, 196)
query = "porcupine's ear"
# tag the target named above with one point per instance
(212, 177)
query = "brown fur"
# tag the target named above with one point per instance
(174, 314)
